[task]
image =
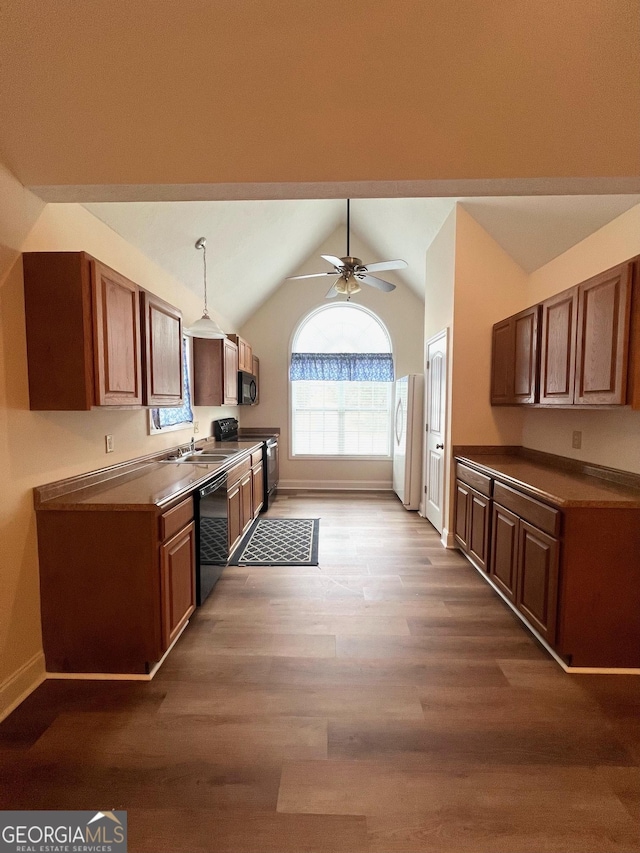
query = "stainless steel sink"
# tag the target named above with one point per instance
(203, 458)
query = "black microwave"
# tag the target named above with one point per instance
(247, 388)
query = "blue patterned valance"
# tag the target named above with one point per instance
(342, 366)
(165, 417)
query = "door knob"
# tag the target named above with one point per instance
(439, 446)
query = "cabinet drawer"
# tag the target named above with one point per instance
(234, 474)
(256, 457)
(540, 515)
(175, 519)
(480, 482)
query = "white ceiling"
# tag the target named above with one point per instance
(253, 245)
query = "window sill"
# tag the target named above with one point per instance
(339, 458)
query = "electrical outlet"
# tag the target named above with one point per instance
(196, 426)
(108, 444)
(576, 440)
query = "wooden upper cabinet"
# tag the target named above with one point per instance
(215, 372)
(83, 333)
(161, 352)
(116, 341)
(256, 372)
(558, 359)
(245, 353)
(231, 367)
(514, 359)
(502, 363)
(604, 304)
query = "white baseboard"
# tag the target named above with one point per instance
(20, 684)
(448, 539)
(336, 485)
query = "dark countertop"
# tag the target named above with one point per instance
(144, 485)
(552, 484)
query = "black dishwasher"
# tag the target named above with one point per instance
(212, 542)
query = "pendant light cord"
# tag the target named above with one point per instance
(348, 226)
(202, 244)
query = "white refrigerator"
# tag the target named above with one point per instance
(407, 439)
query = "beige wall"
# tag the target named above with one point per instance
(39, 447)
(608, 437)
(489, 285)
(246, 91)
(270, 331)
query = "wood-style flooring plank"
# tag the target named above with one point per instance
(384, 701)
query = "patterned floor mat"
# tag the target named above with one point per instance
(279, 542)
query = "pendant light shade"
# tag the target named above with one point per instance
(205, 327)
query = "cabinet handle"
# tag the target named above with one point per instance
(439, 446)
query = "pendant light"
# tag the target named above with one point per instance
(205, 327)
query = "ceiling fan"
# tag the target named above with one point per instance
(352, 272)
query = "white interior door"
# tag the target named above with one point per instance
(435, 410)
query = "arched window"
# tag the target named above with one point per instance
(341, 384)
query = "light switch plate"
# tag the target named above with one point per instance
(108, 443)
(576, 440)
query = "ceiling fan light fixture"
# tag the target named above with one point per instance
(205, 327)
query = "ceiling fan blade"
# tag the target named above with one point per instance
(376, 282)
(337, 262)
(332, 292)
(386, 265)
(311, 275)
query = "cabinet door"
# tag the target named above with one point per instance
(162, 352)
(558, 356)
(246, 499)
(257, 487)
(256, 372)
(504, 550)
(178, 587)
(525, 358)
(537, 591)
(479, 528)
(230, 374)
(461, 522)
(604, 304)
(245, 356)
(117, 361)
(234, 509)
(502, 364)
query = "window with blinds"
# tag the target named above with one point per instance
(332, 416)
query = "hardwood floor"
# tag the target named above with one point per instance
(386, 701)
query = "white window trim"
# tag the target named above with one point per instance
(185, 425)
(324, 457)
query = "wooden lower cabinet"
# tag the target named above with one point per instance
(473, 518)
(177, 561)
(461, 525)
(116, 586)
(524, 566)
(572, 574)
(504, 552)
(246, 497)
(537, 590)
(257, 487)
(240, 501)
(234, 508)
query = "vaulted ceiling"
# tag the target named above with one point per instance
(253, 245)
